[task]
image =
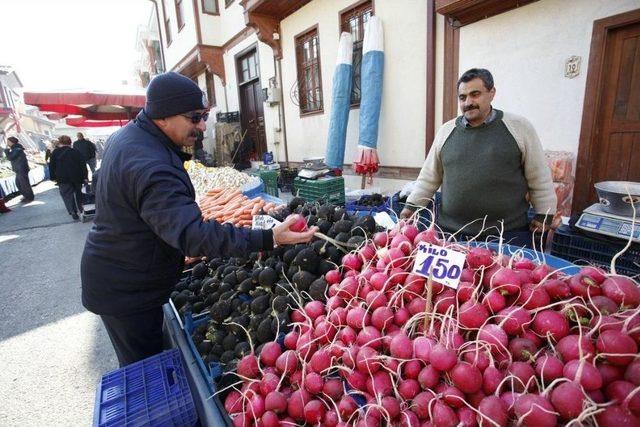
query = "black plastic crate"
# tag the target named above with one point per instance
(286, 177)
(581, 249)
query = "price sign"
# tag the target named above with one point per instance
(444, 265)
(264, 222)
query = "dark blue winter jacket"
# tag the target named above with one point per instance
(146, 221)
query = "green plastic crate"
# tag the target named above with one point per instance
(328, 189)
(270, 179)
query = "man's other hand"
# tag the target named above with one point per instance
(283, 236)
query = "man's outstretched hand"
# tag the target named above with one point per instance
(283, 236)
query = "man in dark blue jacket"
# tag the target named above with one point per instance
(19, 164)
(147, 220)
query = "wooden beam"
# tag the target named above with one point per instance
(465, 12)
(451, 57)
(431, 76)
(266, 26)
(213, 57)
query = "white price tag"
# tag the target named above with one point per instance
(264, 222)
(384, 220)
(444, 265)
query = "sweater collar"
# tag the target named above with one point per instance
(493, 115)
(145, 123)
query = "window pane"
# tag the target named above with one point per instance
(210, 6)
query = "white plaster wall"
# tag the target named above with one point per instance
(218, 29)
(181, 42)
(525, 49)
(402, 119)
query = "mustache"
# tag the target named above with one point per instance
(471, 107)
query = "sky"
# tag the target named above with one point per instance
(67, 44)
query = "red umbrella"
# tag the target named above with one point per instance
(92, 105)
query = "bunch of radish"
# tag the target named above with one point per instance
(516, 343)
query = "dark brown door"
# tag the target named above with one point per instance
(613, 151)
(251, 102)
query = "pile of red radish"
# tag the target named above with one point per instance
(516, 344)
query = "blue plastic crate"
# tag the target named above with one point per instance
(253, 188)
(355, 208)
(268, 198)
(152, 392)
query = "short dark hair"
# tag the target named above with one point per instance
(477, 73)
(80, 135)
(13, 139)
(64, 140)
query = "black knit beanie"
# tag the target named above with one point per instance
(171, 93)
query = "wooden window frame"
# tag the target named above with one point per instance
(179, 15)
(299, 40)
(357, 9)
(249, 51)
(216, 13)
(167, 24)
(228, 3)
(211, 88)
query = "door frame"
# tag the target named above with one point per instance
(236, 57)
(592, 100)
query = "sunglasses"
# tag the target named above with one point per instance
(196, 117)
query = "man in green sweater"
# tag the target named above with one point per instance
(485, 162)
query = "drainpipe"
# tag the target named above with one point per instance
(155, 6)
(281, 110)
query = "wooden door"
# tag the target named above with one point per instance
(612, 151)
(251, 102)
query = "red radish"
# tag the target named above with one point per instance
(403, 243)
(270, 353)
(270, 419)
(357, 380)
(444, 300)
(509, 398)
(367, 360)
(583, 372)
(306, 346)
(557, 289)
(522, 349)
(367, 252)
(492, 411)
(313, 309)
(442, 358)
(401, 316)
(491, 379)
(313, 383)
(401, 346)
(523, 373)
(420, 404)
(332, 277)
(347, 335)
(443, 415)
(464, 291)
(619, 348)
(408, 418)
(255, 405)
(299, 224)
(479, 257)
(632, 374)
(314, 411)
(603, 305)
(616, 416)
(376, 299)
(351, 261)
(348, 288)
(320, 361)
(551, 323)
(396, 258)
(467, 417)
(469, 276)
(380, 239)
(506, 281)
(535, 410)
(540, 272)
(412, 369)
(269, 383)
(276, 402)
(467, 378)
(610, 373)
(533, 296)
(333, 388)
(477, 357)
(408, 388)
(325, 332)
(495, 336)
(568, 399)
(391, 405)
(428, 236)
(494, 301)
(417, 305)
(347, 406)
(514, 319)
(618, 391)
(349, 356)
(569, 348)
(287, 363)
(410, 231)
(248, 366)
(549, 368)
(597, 274)
(337, 315)
(358, 318)
(524, 264)
(370, 336)
(583, 286)
(234, 402)
(382, 317)
(428, 377)
(380, 384)
(422, 348)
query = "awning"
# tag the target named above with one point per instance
(85, 123)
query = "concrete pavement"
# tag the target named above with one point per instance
(52, 351)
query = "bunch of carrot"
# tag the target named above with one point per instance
(229, 205)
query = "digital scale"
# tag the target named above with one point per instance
(313, 168)
(595, 220)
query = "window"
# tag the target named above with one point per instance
(210, 7)
(248, 68)
(179, 14)
(352, 21)
(227, 3)
(308, 65)
(211, 93)
(167, 23)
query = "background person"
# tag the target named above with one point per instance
(88, 151)
(68, 168)
(19, 164)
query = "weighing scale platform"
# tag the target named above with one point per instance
(595, 220)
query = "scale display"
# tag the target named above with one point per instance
(598, 222)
